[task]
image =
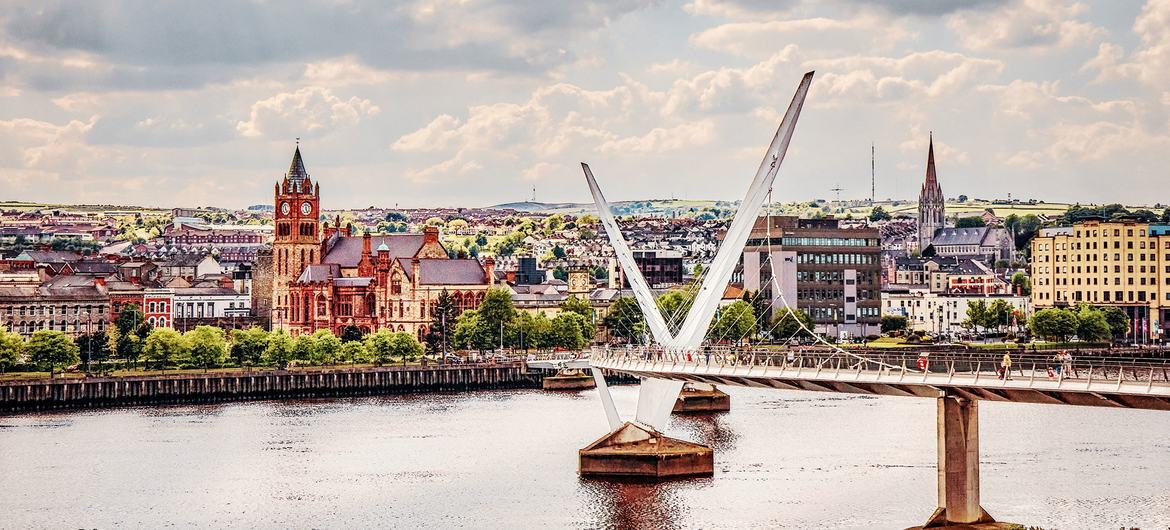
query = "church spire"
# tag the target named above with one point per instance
(296, 170)
(931, 177)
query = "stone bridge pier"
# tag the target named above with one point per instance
(958, 465)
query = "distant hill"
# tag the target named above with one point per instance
(529, 206)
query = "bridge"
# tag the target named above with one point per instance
(957, 381)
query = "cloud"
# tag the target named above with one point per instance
(661, 140)
(310, 111)
(142, 44)
(762, 38)
(1035, 24)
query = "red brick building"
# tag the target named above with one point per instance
(325, 277)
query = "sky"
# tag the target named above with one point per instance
(476, 102)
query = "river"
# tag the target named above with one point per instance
(507, 459)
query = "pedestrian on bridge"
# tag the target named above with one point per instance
(1006, 366)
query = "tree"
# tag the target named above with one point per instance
(207, 345)
(380, 345)
(326, 347)
(496, 309)
(132, 329)
(1053, 324)
(1092, 325)
(962, 198)
(566, 331)
(443, 318)
(976, 315)
(351, 333)
(303, 346)
(1024, 228)
(12, 347)
(1021, 284)
(879, 214)
(624, 319)
(970, 222)
(1118, 321)
(674, 306)
(580, 306)
(164, 346)
(553, 223)
(248, 345)
(529, 331)
(405, 347)
(353, 352)
(761, 307)
(94, 348)
(999, 314)
(558, 252)
(52, 350)
(892, 323)
(788, 323)
(733, 322)
(279, 350)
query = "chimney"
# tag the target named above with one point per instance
(99, 282)
(366, 266)
(489, 269)
(414, 266)
(226, 282)
(430, 235)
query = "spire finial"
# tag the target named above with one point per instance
(298, 141)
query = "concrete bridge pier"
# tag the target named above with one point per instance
(958, 465)
(701, 398)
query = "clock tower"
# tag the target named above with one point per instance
(298, 234)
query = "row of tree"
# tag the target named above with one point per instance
(1091, 324)
(751, 317)
(497, 324)
(208, 347)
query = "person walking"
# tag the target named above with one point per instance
(1066, 362)
(1006, 365)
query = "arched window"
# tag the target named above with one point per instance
(371, 305)
(396, 285)
(308, 307)
(162, 322)
(152, 307)
(321, 305)
(151, 321)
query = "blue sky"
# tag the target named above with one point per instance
(475, 102)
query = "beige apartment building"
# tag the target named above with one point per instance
(1125, 264)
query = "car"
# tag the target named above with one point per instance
(451, 358)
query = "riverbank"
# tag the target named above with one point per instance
(41, 394)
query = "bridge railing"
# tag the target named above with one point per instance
(1046, 366)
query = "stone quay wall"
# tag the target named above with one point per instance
(40, 394)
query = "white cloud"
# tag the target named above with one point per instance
(763, 38)
(310, 111)
(661, 140)
(1037, 24)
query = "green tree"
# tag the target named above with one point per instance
(303, 346)
(999, 315)
(207, 346)
(380, 345)
(354, 352)
(624, 320)
(553, 224)
(558, 252)
(733, 322)
(1092, 325)
(279, 350)
(326, 347)
(566, 331)
(879, 214)
(164, 346)
(12, 347)
(405, 347)
(674, 306)
(494, 313)
(443, 317)
(1053, 324)
(970, 222)
(471, 332)
(248, 345)
(1118, 321)
(788, 323)
(132, 330)
(892, 323)
(351, 333)
(51, 350)
(580, 306)
(976, 315)
(94, 348)
(1021, 284)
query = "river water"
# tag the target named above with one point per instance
(507, 459)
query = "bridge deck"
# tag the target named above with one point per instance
(1127, 383)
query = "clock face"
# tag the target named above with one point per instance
(284, 208)
(306, 208)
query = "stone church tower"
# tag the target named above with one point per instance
(931, 204)
(298, 234)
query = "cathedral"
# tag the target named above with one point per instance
(931, 204)
(325, 277)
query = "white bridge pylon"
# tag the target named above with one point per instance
(657, 396)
